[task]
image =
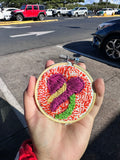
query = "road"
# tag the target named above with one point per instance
(21, 37)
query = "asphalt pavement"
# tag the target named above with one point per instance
(15, 70)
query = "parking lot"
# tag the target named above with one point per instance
(49, 19)
(17, 67)
(105, 132)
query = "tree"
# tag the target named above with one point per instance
(53, 3)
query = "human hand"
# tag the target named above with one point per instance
(55, 141)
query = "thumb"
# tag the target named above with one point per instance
(29, 101)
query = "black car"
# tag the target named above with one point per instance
(107, 38)
(118, 12)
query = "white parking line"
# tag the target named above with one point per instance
(89, 56)
(14, 27)
(13, 102)
(95, 58)
(59, 46)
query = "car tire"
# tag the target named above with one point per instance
(19, 17)
(41, 17)
(85, 14)
(76, 14)
(111, 47)
(58, 14)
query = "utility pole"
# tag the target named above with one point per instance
(106, 3)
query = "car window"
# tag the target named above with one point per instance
(75, 9)
(10, 9)
(104, 9)
(41, 7)
(29, 7)
(35, 7)
(23, 7)
(82, 8)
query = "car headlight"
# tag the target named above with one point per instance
(104, 25)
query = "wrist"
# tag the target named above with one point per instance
(42, 156)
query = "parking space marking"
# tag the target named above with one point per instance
(13, 102)
(89, 56)
(94, 58)
(32, 33)
(14, 27)
(59, 46)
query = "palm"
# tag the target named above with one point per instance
(55, 137)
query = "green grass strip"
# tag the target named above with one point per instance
(69, 110)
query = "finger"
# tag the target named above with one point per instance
(79, 63)
(82, 65)
(49, 63)
(29, 102)
(99, 87)
(31, 86)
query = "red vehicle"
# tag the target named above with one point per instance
(30, 11)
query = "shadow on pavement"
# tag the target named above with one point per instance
(106, 146)
(12, 132)
(86, 49)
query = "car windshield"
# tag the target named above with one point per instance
(23, 7)
(75, 9)
(104, 9)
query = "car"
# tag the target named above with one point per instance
(49, 12)
(1, 16)
(78, 11)
(29, 11)
(105, 11)
(60, 11)
(5, 13)
(107, 39)
(118, 12)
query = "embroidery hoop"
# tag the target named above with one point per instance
(37, 86)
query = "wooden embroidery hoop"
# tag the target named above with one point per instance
(36, 92)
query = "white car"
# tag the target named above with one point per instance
(78, 11)
(49, 12)
(5, 13)
(1, 16)
(107, 11)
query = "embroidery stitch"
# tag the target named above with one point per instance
(69, 110)
(83, 102)
(55, 82)
(74, 85)
(57, 93)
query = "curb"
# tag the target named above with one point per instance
(103, 16)
(25, 22)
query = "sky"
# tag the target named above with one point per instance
(96, 1)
